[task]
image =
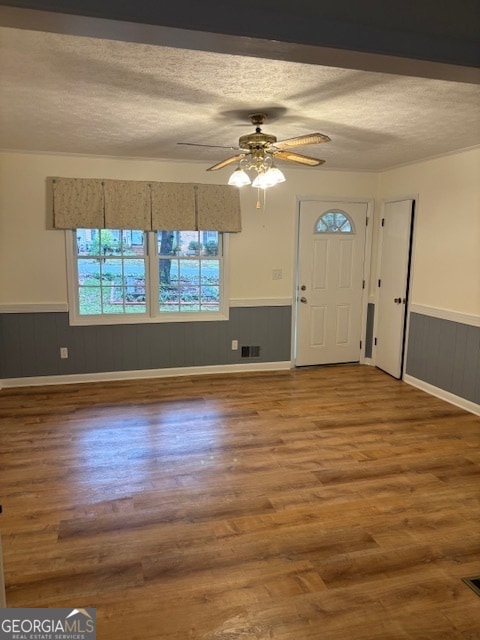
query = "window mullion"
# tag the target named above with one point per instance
(200, 265)
(123, 285)
(152, 284)
(101, 264)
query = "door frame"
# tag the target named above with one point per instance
(384, 202)
(366, 264)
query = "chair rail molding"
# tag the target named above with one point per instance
(446, 314)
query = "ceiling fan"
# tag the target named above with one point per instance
(258, 150)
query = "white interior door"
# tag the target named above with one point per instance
(330, 282)
(393, 286)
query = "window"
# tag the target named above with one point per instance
(334, 222)
(189, 271)
(138, 276)
(111, 272)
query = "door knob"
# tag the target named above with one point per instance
(303, 287)
(304, 300)
(397, 300)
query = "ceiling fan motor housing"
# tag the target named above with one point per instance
(256, 140)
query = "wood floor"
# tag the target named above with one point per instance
(328, 503)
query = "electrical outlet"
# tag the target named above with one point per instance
(63, 352)
(277, 274)
(234, 345)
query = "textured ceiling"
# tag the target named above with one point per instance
(71, 94)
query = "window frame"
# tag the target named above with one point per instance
(152, 315)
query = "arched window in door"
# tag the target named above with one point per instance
(334, 221)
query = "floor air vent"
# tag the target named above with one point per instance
(251, 352)
(473, 583)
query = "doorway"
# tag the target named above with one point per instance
(330, 287)
(393, 286)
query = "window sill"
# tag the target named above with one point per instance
(76, 321)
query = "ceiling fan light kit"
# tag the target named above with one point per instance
(268, 178)
(268, 175)
(257, 151)
(239, 178)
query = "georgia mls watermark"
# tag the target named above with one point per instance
(47, 624)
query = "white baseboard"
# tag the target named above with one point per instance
(143, 373)
(443, 395)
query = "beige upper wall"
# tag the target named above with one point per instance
(32, 258)
(446, 257)
(447, 236)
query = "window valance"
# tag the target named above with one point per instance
(133, 204)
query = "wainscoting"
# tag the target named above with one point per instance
(445, 354)
(442, 354)
(369, 330)
(30, 343)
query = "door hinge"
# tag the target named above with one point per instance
(360, 344)
(375, 342)
(363, 284)
(383, 222)
(379, 283)
(366, 221)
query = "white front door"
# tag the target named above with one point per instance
(392, 286)
(329, 282)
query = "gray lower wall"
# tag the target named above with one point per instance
(369, 330)
(30, 343)
(442, 353)
(445, 354)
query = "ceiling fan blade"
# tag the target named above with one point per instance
(297, 157)
(299, 141)
(213, 146)
(226, 162)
